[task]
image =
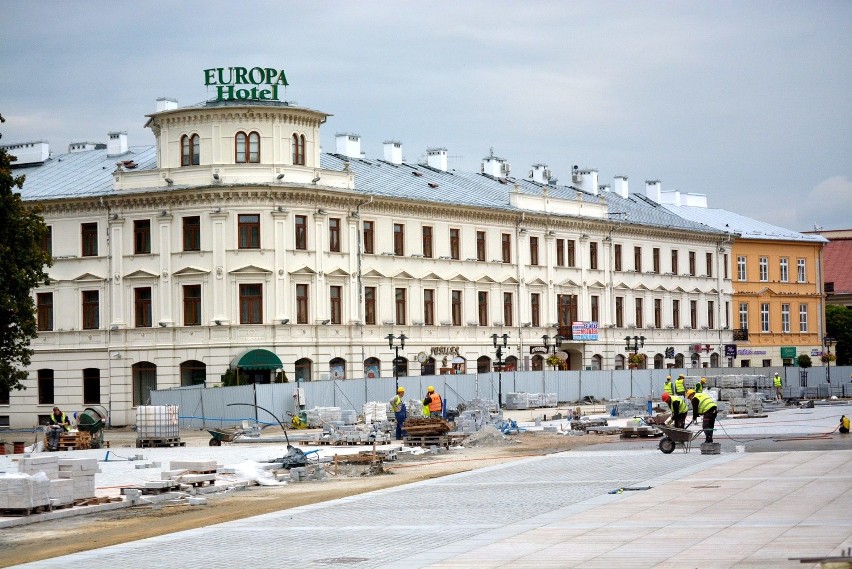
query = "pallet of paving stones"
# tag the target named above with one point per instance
(21, 512)
(639, 432)
(427, 441)
(163, 442)
(357, 458)
(92, 501)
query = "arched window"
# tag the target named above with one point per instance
(510, 364)
(619, 362)
(483, 364)
(190, 151)
(337, 369)
(247, 148)
(401, 367)
(372, 368)
(193, 372)
(537, 363)
(428, 368)
(597, 362)
(659, 361)
(303, 369)
(714, 360)
(679, 361)
(144, 381)
(695, 359)
(298, 149)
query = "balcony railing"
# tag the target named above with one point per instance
(740, 334)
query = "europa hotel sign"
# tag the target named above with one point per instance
(245, 83)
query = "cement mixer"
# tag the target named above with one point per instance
(93, 420)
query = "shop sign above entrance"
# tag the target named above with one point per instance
(245, 83)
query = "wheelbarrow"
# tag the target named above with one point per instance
(673, 436)
(224, 435)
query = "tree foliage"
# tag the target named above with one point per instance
(24, 267)
(838, 325)
(805, 361)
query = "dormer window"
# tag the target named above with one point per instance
(247, 148)
(298, 149)
(190, 152)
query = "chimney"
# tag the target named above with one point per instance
(619, 185)
(494, 166)
(653, 190)
(541, 174)
(393, 151)
(166, 104)
(349, 145)
(588, 180)
(117, 144)
(604, 188)
(437, 158)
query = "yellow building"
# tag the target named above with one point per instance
(777, 299)
(777, 306)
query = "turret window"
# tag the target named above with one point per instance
(190, 151)
(298, 149)
(247, 148)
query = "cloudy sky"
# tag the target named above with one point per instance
(747, 102)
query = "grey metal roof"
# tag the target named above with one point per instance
(472, 189)
(745, 227)
(80, 174)
(89, 173)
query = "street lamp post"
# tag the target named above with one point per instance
(402, 338)
(829, 341)
(499, 347)
(557, 343)
(632, 345)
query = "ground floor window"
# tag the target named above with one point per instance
(91, 385)
(144, 381)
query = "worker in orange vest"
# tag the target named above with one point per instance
(434, 402)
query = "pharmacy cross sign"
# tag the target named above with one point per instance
(706, 348)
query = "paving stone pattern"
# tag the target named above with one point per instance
(383, 528)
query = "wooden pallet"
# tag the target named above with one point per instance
(24, 511)
(80, 440)
(164, 442)
(640, 433)
(427, 441)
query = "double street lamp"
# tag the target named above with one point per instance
(499, 347)
(632, 345)
(829, 341)
(402, 338)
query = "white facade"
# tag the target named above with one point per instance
(318, 267)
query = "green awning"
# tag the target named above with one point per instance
(257, 359)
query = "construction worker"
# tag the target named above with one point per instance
(703, 404)
(58, 423)
(844, 424)
(680, 387)
(776, 381)
(699, 387)
(433, 400)
(678, 407)
(399, 411)
(667, 386)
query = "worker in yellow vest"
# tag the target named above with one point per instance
(699, 387)
(399, 411)
(844, 424)
(703, 404)
(776, 381)
(667, 386)
(679, 409)
(680, 387)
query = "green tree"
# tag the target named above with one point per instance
(24, 262)
(805, 361)
(838, 325)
